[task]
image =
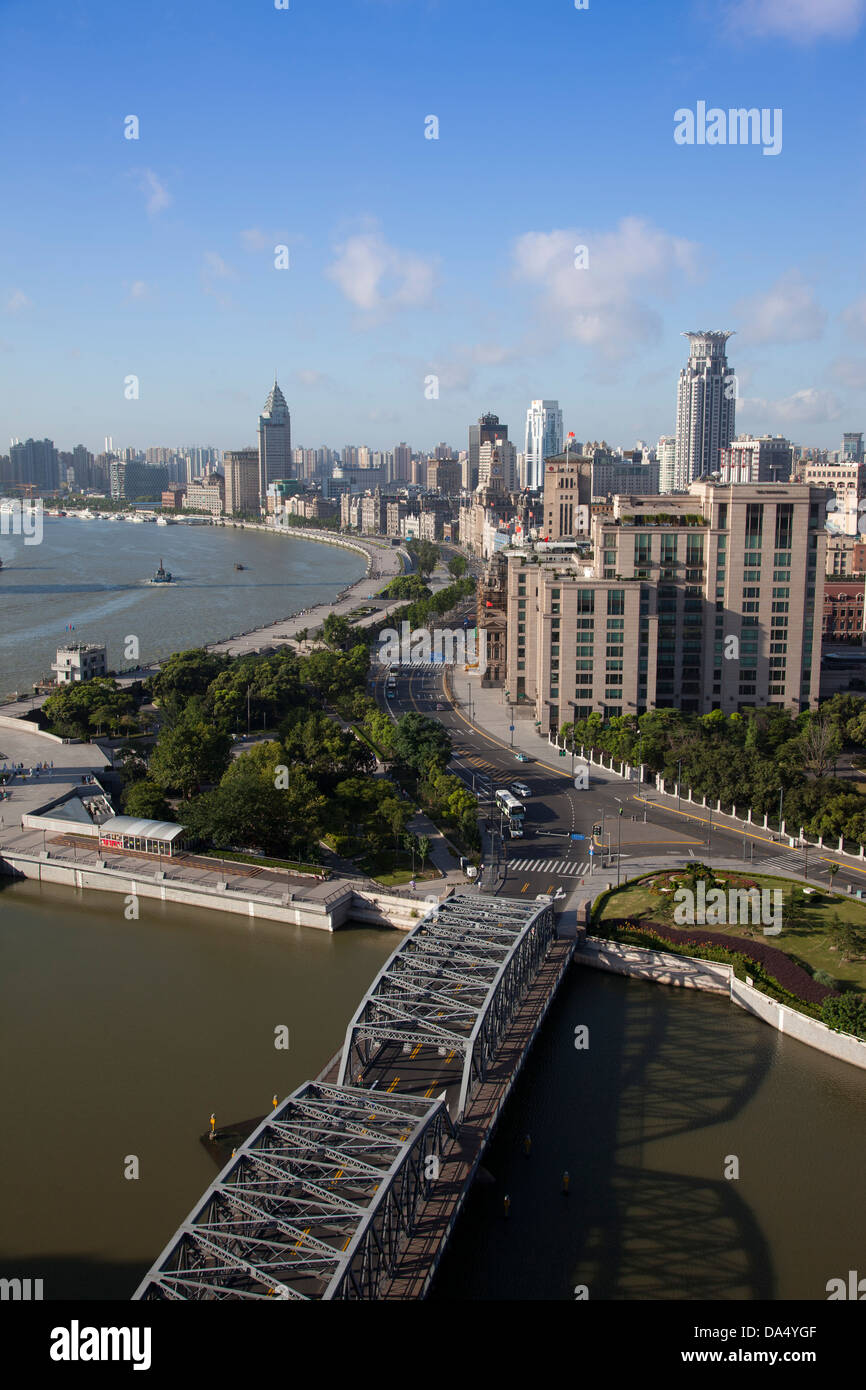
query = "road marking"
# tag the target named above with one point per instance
(416, 1051)
(524, 888)
(303, 1237)
(428, 1093)
(393, 1084)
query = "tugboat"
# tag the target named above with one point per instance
(162, 576)
(239, 566)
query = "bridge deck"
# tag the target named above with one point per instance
(461, 1158)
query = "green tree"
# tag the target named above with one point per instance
(146, 799)
(457, 566)
(423, 848)
(186, 674)
(419, 742)
(190, 752)
(338, 632)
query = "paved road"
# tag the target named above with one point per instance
(546, 860)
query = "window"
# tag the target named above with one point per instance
(616, 600)
(585, 603)
(754, 525)
(614, 651)
(784, 525)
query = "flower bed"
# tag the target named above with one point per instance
(791, 978)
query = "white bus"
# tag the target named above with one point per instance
(513, 812)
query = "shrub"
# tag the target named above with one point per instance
(845, 1013)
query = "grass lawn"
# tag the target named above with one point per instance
(806, 941)
(395, 869)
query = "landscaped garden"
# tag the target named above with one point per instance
(816, 963)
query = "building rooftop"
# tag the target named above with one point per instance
(144, 829)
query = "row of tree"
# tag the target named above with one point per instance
(749, 759)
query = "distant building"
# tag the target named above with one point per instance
(172, 498)
(847, 482)
(767, 459)
(243, 482)
(275, 441)
(134, 481)
(79, 661)
(444, 475)
(666, 453)
(843, 610)
(706, 407)
(852, 447)
(543, 440)
(497, 465)
(207, 494)
(487, 431)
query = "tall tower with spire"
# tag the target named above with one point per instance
(275, 440)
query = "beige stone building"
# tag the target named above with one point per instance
(707, 600)
(242, 481)
(207, 494)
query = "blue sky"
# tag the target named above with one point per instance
(412, 257)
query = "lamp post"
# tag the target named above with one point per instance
(618, 838)
(781, 794)
(679, 779)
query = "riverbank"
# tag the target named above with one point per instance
(384, 562)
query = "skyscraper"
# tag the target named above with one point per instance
(543, 440)
(487, 431)
(275, 440)
(706, 407)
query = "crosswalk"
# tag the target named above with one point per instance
(565, 868)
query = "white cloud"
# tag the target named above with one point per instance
(158, 196)
(375, 276)
(604, 305)
(855, 316)
(216, 268)
(17, 301)
(254, 239)
(800, 20)
(850, 371)
(807, 406)
(787, 313)
(139, 289)
(308, 376)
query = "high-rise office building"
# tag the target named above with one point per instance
(275, 441)
(706, 407)
(402, 461)
(543, 440)
(487, 431)
(242, 481)
(35, 462)
(666, 452)
(852, 447)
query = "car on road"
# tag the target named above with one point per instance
(522, 757)
(520, 789)
(439, 704)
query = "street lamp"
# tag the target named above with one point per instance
(618, 838)
(679, 779)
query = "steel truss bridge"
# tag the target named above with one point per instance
(454, 986)
(315, 1203)
(321, 1199)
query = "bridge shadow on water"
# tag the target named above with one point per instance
(635, 1120)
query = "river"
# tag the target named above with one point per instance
(92, 576)
(119, 1038)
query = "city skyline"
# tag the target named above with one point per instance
(180, 283)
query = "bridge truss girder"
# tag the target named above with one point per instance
(316, 1204)
(489, 948)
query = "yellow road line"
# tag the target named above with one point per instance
(430, 1089)
(393, 1084)
(524, 888)
(303, 1237)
